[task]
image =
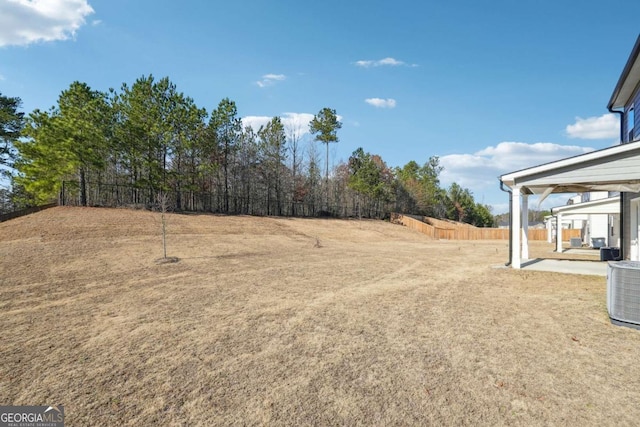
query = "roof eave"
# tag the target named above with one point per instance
(511, 178)
(617, 101)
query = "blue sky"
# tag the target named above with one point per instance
(489, 87)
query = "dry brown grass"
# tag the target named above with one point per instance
(258, 324)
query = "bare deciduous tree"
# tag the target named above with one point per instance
(294, 134)
(163, 205)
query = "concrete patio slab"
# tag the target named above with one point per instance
(591, 268)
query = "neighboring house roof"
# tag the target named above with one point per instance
(566, 219)
(610, 205)
(615, 168)
(628, 80)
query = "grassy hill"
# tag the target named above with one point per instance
(298, 322)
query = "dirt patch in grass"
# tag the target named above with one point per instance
(257, 325)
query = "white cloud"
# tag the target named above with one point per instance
(2, 77)
(28, 21)
(518, 155)
(270, 79)
(297, 122)
(479, 171)
(604, 127)
(255, 121)
(389, 61)
(367, 63)
(381, 103)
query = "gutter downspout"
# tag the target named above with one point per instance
(621, 113)
(622, 245)
(510, 220)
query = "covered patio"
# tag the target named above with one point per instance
(611, 169)
(583, 211)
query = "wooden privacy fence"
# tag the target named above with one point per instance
(449, 230)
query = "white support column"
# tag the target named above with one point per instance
(559, 233)
(525, 226)
(515, 224)
(549, 225)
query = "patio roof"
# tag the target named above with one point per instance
(615, 168)
(610, 205)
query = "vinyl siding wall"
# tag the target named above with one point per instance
(635, 103)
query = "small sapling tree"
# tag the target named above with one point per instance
(163, 204)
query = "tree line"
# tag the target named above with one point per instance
(127, 146)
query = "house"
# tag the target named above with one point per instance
(613, 169)
(596, 214)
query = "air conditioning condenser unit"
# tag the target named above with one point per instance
(623, 293)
